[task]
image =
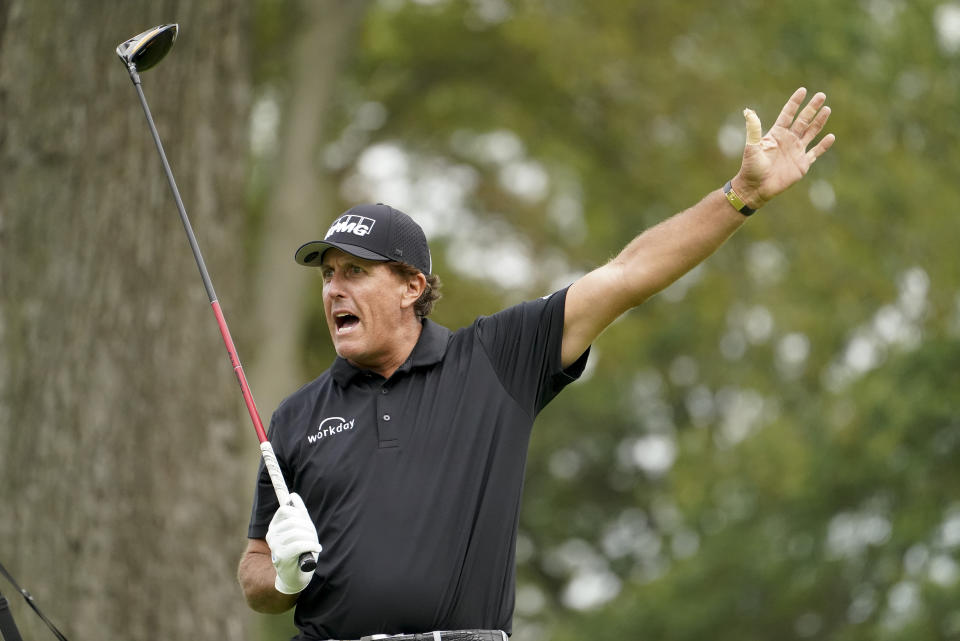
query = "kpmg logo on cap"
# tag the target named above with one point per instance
(351, 224)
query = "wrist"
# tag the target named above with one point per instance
(282, 587)
(750, 196)
(741, 195)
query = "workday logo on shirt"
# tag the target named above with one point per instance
(331, 427)
(351, 224)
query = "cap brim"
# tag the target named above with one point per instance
(310, 254)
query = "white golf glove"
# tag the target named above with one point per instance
(291, 533)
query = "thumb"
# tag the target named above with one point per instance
(297, 502)
(753, 126)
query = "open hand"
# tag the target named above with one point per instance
(773, 162)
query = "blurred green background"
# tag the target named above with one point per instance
(765, 450)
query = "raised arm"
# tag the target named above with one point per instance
(662, 254)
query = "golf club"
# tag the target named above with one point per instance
(8, 628)
(138, 54)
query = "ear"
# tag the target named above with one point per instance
(415, 286)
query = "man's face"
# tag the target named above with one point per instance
(366, 309)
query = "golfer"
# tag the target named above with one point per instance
(406, 457)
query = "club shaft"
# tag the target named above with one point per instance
(238, 370)
(8, 628)
(307, 561)
(207, 284)
(205, 275)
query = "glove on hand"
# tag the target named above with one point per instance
(291, 533)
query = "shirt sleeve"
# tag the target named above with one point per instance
(524, 344)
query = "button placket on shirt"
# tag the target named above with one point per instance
(386, 421)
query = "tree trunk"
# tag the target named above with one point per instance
(124, 446)
(297, 210)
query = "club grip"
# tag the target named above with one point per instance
(308, 560)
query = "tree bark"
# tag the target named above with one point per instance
(124, 446)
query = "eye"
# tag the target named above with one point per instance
(356, 269)
(326, 273)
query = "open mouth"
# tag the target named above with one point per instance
(345, 321)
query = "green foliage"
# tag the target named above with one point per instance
(848, 531)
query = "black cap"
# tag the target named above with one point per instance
(374, 232)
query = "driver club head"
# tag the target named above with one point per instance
(148, 48)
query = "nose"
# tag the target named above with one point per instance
(333, 286)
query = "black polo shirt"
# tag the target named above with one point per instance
(414, 482)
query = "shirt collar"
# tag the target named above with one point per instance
(429, 350)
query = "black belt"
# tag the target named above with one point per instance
(449, 635)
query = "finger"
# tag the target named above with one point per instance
(785, 119)
(295, 500)
(825, 143)
(808, 114)
(280, 516)
(752, 121)
(816, 126)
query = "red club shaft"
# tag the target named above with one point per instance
(238, 370)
